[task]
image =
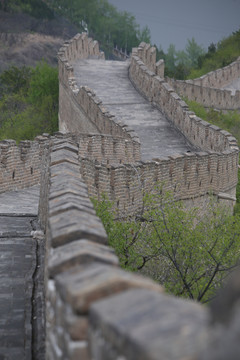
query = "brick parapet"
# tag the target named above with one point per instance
(160, 93)
(205, 137)
(209, 97)
(188, 176)
(20, 165)
(80, 110)
(208, 89)
(220, 77)
(81, 269)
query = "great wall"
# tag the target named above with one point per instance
(65, 296)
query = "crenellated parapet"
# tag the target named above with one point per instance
(93, 306)
(209, 90)
(161, 94)
(80, 110)
(147, 54)
(21, 165)
(218, 146)
(191, 177)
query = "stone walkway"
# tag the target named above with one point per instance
(18, 211)
(109, 80)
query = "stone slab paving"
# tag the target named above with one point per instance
(109, 80)
(18, 211)
(24, 202)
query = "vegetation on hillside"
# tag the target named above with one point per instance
(103, 22)
(101, 19)
(218, 56)
(28, 102)
(194, 61)
(188, 254)
(36, 8)
(229, 121)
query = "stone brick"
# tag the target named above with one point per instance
(67, 202)
(65, 168)
(78, 350)
(145, 325)
(73, 225)
(77, 253)
(63, 155)
(83, 285)
(77, 327)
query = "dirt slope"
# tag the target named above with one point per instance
(25, 40)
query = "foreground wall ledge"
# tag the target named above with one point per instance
(145, 325)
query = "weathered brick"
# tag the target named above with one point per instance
(78, 253)
(83, 285)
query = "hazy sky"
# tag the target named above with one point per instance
(175, 21)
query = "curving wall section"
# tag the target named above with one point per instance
(80, 110)
(95, 310)
(213, 169)
(208, 89)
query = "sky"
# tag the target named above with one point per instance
(175, 21)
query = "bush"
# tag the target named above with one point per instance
(29, 104)
(190, 257)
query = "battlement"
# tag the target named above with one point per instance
(84, 278)
(95, 310)
(198, 132)
(20, 165)
(208, 89)
(80, 110)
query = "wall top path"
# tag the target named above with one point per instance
(110, 82)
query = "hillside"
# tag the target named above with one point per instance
(24, 40)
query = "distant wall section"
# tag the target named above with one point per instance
(80, 110)
(20, 165)
(189, 171)
(208, 89)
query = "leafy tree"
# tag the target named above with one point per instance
(171, 58)
(144, 35)
(104, 22)
(191, 258)
(193, 51)
(14, 79)
(35, 8)
(29, 102)
(220, 55)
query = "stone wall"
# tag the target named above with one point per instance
(87, 293)
(190, 176)
(20, 165)
(208, 89)
(95, 310)
(147, 54)
(108, 149)
(182, 173)
(80, 110)
(198, 132)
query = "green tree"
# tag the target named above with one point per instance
(144, 35)
(15, 80)
(191, 258)
(29, 102)
(219, 55)
(104, 22)
(193, 51)
(170, 59)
